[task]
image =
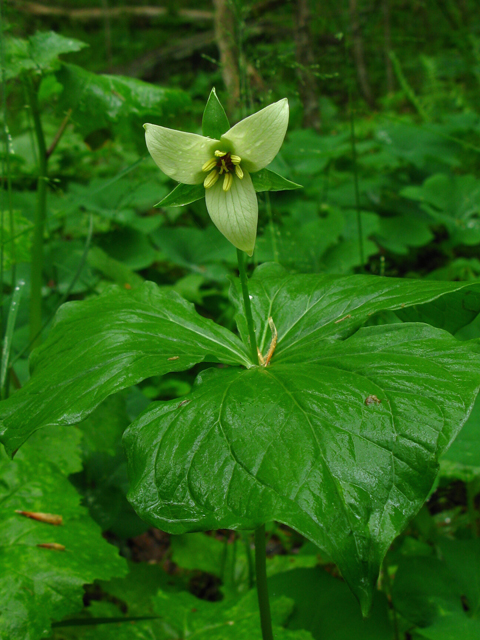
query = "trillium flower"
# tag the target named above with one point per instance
(224, 166)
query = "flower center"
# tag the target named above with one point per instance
(225, 163)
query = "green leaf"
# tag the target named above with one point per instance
(103, 100)
(40, 584)
(214, 122)
(39, 53)
(182, 615)
(183, 194)
(307, 309)
(432, 593)
(105, 344)
(61, 446)
(462, 460)
(266, 180)
(133, 595)
(399, 233)
(453, 201)
(226, 560)
(325, 606)
(202, 251)
(129, 246)
(113, 269)
(229, 561)
(342, 444)
(103, 482)
(188, 616)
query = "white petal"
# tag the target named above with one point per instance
(178, 154)
(235, 212)
(258, 138)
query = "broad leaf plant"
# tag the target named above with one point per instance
(319, 414)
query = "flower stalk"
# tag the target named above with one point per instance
(262, 586)
(247, 306)
(39, 222)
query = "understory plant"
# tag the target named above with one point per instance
(329, 410)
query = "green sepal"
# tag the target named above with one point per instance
(182, 194)
(266, 180)
(214, 122)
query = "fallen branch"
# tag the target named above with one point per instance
(99, 13)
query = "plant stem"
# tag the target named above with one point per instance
(276, 256)
(246, 541)
(357, 190)
(39, 222)
(472, 490)
(7, 340)
(388, 585)
(247, 305)
(262, 587)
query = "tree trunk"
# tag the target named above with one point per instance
(225, 36)
(307, 82)
(387, 42)
(359, 54)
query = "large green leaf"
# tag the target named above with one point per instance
(308, 309)
(325, 607)
(441, 597)
(108, 343)
(453, 201)
(341, 444)
(102, 100)
(38, 54)
(462, 460)
(38, 584)
(188, 616)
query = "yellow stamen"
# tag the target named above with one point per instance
(211, 179)
(227, 181)
(208, 166)
(238, 171)
(224, 166)
(220, 154)
(235, 159)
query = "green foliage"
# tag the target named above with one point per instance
(215, 122)
(89, 364)
(325, 607)
(453, 201)
(433, 594)
(267, 180)
(39, 54)
(100, 101)
(39, 583)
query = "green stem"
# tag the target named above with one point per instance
(357, 190)
(247, 305)
(7, 339)
(39, 222)
(276, 256)
(472, 512)
(262, 587)
(388, 585)
(246, 541)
